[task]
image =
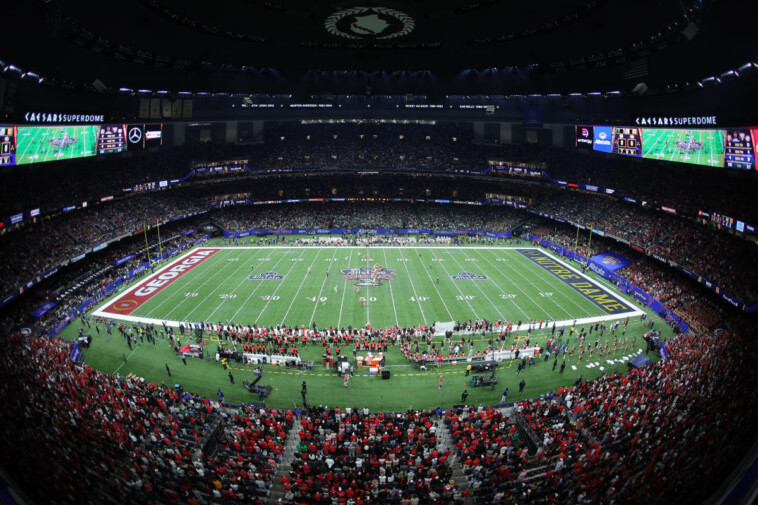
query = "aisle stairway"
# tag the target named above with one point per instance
(445, 442)
(283, 468)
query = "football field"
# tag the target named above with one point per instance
(354, 286)
(383, 286)
(699, 147)
(38, 144)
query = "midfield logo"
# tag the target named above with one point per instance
(266, 276)
(368, 276)
(469, 276)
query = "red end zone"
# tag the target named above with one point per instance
(142, 292)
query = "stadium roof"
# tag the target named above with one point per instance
(461, 45)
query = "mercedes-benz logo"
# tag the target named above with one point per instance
(135, 135)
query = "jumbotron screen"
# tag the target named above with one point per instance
(697, 147)
(38, 144)
(732, 148)
(740, 148)
(23, 145)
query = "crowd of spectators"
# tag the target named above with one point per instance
(644, 437)
(37, 248)
(368, 457)
(726, 261)
(673, 289)
(368, 215)
(649, 436)
(281, 146)
(120, 439)
(687, 188)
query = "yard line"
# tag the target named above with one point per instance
(127, 359)
(480, 289)
(463, 297)
(540, 305)
(179, 287)
(532, 267)
(301, 287)
(256, 289)
(413, 286)
(280, 285)
(244, 279)
(386, 262)
(368, 320)
(315, 305)
(434, 285)
(513, 301)
(344, 288)
(218, 286)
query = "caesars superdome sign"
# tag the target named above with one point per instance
(369, 23)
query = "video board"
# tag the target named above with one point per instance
(697, 147)
(111, 139)
(23, 145)
(740, 148)
(7, 146)
(585, 136)
(142, 136)
(39, 144)
(732, 148)
(627, 141)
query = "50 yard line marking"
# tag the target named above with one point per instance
(368, 298)
(344, 288)
(397, 321)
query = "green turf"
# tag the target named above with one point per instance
(33, 143)
(393, 305)
(218, 290)
(707, 146)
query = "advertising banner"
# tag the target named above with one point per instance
(611, 261)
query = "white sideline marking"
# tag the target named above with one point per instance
(100, 312)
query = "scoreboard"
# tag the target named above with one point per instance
(733, 148)
(7, 145)
(627, 141)
(740, 149)
(111, 139)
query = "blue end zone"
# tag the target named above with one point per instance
(607, 301)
